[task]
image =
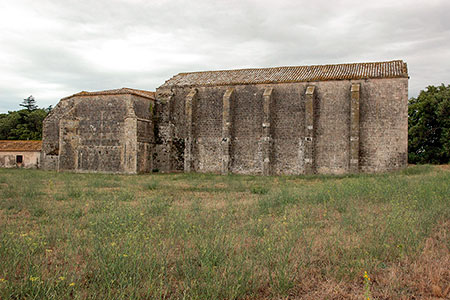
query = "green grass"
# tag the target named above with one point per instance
(203, 236)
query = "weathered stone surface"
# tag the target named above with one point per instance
(354, 129)
(289, 120)
(100, 133)
(277, 139)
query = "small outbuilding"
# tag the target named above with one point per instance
(20, 154)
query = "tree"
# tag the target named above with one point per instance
(29, 103)
(429, 126)
(24, 124)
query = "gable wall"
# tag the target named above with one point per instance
(99, 133)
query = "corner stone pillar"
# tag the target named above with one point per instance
(354, 128)
(226, 130)
(189, 104)
(267, 137)
(309, 129)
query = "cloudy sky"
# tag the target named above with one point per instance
(54, 48)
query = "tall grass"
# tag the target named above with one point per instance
(203, 236)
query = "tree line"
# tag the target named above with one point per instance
(428, 125)
(23, 124)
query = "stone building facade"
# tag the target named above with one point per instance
(334, 119)
(20, 154)
(109, 131)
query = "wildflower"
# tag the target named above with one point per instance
(366, 285)
(125, 255)
(2, 279)
(72, 284)
(48, 250)
(34, 278)
(61, 278)
(113, 244)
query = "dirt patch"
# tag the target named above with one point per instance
(444, 167)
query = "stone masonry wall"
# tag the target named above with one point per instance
(144, 111)
(279, 143)
(384, 125)
(50, 132)
(92, 135)
(100, 133)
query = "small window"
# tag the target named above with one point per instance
(19, 159)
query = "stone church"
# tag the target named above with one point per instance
(332, 119)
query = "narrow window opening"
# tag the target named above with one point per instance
(19, 159)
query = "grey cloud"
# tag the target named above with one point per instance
(169, 37)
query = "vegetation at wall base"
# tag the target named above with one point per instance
(203, 236)
(429, 126)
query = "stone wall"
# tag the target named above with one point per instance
(337, 127)
(50, 136)
(99, 133)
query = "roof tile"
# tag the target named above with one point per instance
(15, 145)
(388, 69)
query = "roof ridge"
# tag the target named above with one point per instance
(123, 90)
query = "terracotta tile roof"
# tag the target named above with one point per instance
(389, 69)
(122, 91)
(9, 145)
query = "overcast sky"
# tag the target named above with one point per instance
(54, 48)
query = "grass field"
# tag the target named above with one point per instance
(201, 236)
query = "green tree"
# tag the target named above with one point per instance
(24, 124)
(429, 126)
(29, 103)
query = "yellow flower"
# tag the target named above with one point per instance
(34, 278)
(72, 284)
(2, 279)
(48, 250)
(62, 278)
(125, 255)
